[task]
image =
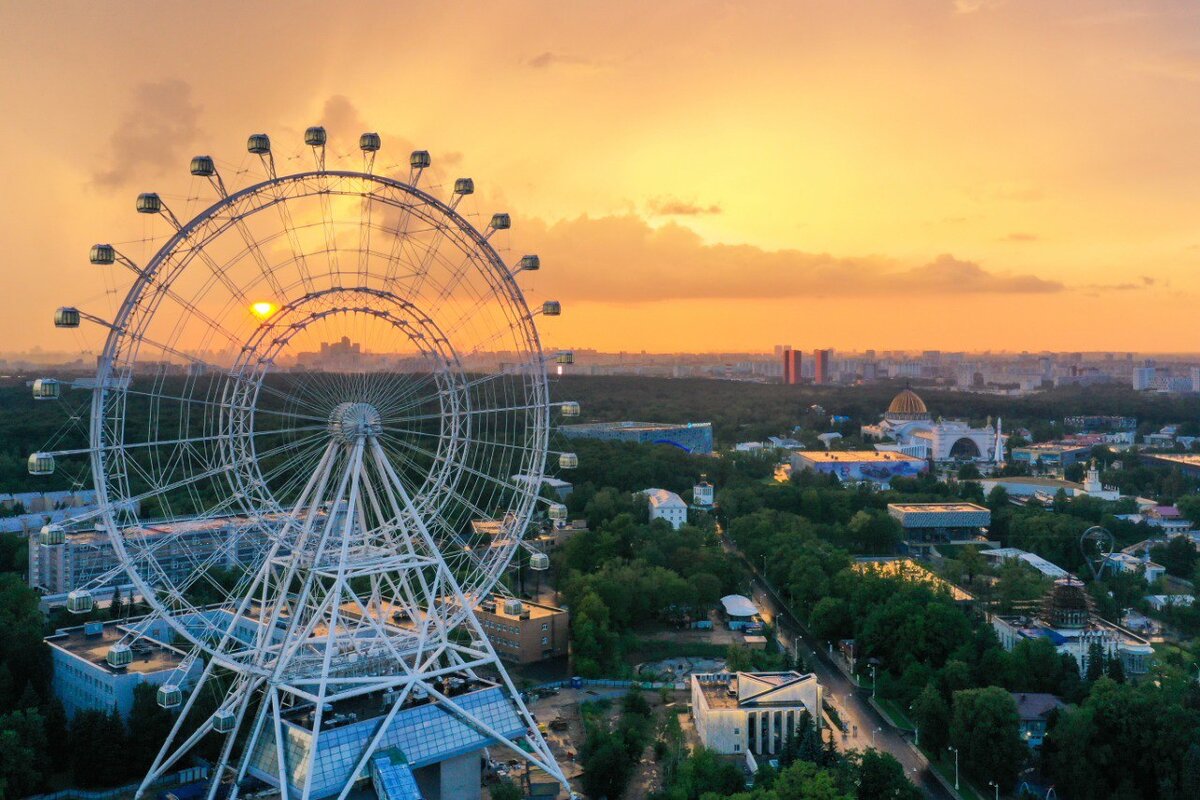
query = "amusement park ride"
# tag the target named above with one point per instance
(343, 646)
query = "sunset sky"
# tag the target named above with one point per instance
(695, 175)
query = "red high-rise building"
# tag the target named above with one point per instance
(821, 359)
(791, 366)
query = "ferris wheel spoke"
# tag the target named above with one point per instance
(190, 440)
(450, 490)
(211, 404)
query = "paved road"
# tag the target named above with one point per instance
(850, 701)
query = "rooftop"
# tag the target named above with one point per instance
(1035, 705)
(737, 605)
(149, 656)
(918, 508)
(633, 426)
(753, 689)
(1053, 447)
(536, 610)
(661, 498)
(909, 570)
(1184, 459)
(855, 456)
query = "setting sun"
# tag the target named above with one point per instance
(262, 309)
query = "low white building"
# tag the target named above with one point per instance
(666, 505)
(1131, 563)
(84, 679)
(702, 493)
(1047, 568)
(752, 712)
(1067, 621)
(1160, 601)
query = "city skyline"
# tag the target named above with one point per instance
(967, 175)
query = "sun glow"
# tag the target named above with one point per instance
(262, 309)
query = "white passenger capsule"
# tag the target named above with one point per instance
(169, 696)
(315, 136)
(148, 203)
(369, 142)
(259, 144)
(119, 655)
(80, 601)
(102, 254)
(203, 167)
(51, 535)
(46, 389)
(66, 317)
(41, 464)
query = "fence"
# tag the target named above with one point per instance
(605, 683)
(166, 782)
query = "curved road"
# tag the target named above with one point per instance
(850, 701)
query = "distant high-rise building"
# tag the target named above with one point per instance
(792, 361)
(821, 359)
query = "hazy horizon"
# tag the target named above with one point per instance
(963, 175)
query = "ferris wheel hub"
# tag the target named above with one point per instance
(349, 422)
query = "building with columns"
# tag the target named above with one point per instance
(752, 712)
(908, 428)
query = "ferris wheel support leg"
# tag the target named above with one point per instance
(251, 743)
(353, 473)
(534, 737)
(161, 761)
(280, 757)
(227, 748)
(373, 745)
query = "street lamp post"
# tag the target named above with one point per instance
(955, 749)
(873, 681)
(873, 732)
(997, 787)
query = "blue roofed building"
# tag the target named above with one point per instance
(441, 751)
(694, 437)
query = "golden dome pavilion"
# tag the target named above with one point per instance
(907, 405)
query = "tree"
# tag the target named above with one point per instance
(881, 775)
(1115, 669)
(23, 753)
(986, 730)
(830, 619)
(738, 659)
(932, 717)
(149, 725)
(116, 608)
(606, 768)
(804, 780)
(1095, 662)
(506, 790)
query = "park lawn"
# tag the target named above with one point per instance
(897, 717)
(945, 768)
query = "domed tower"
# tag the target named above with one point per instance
(1067, 605)
(906, 407)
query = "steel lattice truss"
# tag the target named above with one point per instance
(315, 523)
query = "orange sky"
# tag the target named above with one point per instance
(696, 176)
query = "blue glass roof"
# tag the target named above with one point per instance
(425, 734)
(393, 779)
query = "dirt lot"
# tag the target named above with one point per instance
(565, 743)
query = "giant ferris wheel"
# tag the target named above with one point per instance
(318, 430)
